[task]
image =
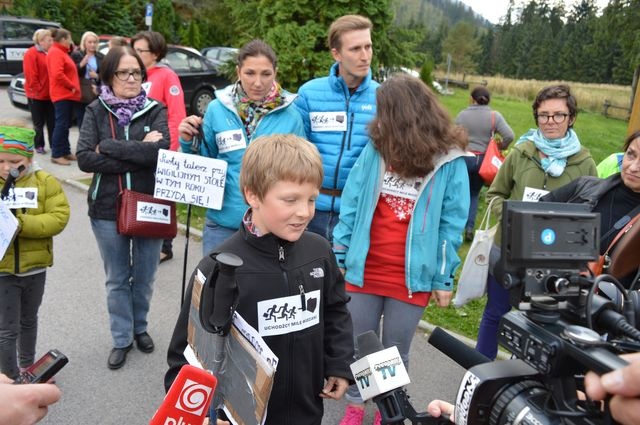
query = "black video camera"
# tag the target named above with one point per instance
(556, 335)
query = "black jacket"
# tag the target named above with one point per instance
(583, 190)
(126, 152)
(274, 269)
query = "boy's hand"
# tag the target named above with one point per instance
(334, 388)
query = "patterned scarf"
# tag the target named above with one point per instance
(123, 108)
(556, 150)
(252, 111)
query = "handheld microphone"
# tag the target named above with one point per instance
(456, 350)
(187, 401)
(380, 374)
(14, 173)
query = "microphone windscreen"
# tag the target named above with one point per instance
(456, 350)
(368, 343)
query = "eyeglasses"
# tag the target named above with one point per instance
(138, 51)
(124, 75)
(557, 118)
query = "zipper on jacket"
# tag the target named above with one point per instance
(350, 131)
(280, 253)
(303, 298)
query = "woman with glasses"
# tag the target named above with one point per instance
(119, 142)
(164, 85)
(543, 159)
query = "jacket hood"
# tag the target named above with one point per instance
(225, 96)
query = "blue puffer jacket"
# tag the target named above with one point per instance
(225, 138)
(327, 100)
(435, 229)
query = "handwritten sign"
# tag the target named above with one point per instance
(8, 228)
(190, 179)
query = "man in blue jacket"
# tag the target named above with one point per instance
(336, 111)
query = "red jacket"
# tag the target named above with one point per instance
(64, 83)
(34, 66)
(164, 85)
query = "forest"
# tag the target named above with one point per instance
(538, 39)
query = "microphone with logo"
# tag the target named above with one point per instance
(187, 401)
(380, 374)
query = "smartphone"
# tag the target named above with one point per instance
(44, 369)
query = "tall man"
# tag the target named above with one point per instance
(336, 111)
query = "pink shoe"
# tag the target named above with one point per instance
(352, 416)
(377, 419)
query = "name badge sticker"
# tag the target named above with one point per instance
(533, 195)
(395, 185)
(328, 121)
(22, 197)
(286, 315)
(230, 140)
(154, 213)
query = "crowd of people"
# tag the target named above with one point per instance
(385, 182)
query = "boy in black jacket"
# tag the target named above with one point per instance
(285, 266)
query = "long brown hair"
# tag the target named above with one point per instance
(411, 128)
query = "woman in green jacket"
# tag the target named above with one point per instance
(543, 159)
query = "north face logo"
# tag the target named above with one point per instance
(317, 273)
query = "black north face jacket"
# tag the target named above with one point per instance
(286, 277)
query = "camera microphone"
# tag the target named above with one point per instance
(14, 173)
(187, 401)
(457, 351)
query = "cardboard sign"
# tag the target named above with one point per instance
(8, 228)
(190, 179)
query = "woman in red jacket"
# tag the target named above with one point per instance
(64, 88)
(36, 87)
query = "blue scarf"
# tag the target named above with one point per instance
(556, 150)
(123, 108)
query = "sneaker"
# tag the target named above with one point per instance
(41, 150)
(377, 420)
(352, 416)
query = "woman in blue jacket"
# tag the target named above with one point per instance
(404, 206)
(254, 106)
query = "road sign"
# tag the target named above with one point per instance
(148, 15)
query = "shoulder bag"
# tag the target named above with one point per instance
(493, 157)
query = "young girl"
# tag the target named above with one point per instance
(404, 207)
(42, 211)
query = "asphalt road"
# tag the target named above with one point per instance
(73, 319)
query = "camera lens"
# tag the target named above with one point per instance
(521, 403)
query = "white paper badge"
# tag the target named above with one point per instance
(533, 195)
(230, 140)
(285, 315)
(328, 121)
(153, 212)
(395, 185)
(22, 197)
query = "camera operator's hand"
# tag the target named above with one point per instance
(438, 408)
(624, 385)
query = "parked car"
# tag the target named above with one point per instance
(198, 75)
(16, 36)
(220, 54)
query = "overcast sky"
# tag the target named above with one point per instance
(493, 10)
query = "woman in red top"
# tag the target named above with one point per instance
(64, 88)
(36, 87)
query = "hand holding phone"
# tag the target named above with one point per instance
(43, 369)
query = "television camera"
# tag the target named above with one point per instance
(566, 323)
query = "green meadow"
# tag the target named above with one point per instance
(601, 135)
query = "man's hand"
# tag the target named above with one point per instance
(25, 404)
(438, 408)
(624, 385)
